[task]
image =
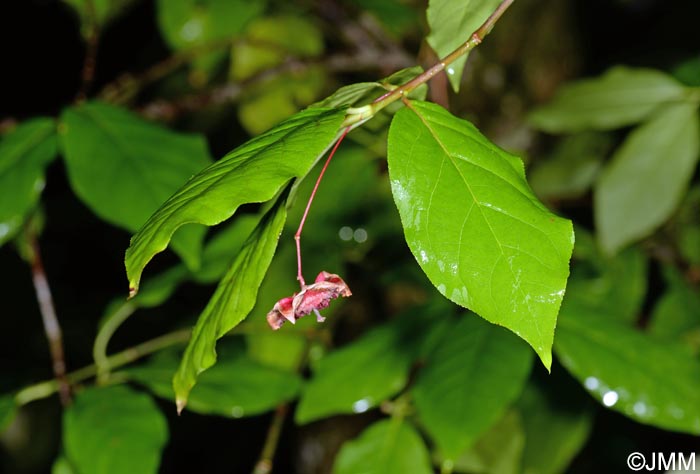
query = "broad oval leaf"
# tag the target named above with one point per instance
(24, 153)
(232, 301)
(653, 382)
(124, 167)
(253, 172)
(620, 97)
(386, 447)
(475, 372)
(357, 377)
(114, 430)
(647, 177)
(451, 24)
(234, 387)
(474, 225)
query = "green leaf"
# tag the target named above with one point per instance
(614, 285)
(647, 177)
(363, 93)
(557, 424)
(184, 23)
(688, 71)
(231, 303)
(620, 97)
(222, 248)
(359, 376)
(104, 11)
(475, 372)
(24, 153)
(269, 40)
(677, 313)
(235, 387)
(451, 24)
(266, 103)
(653, 382)
(253, 172)
(62, 466)
(8, 409)
(572, 168)
(474, 225)
(123, 167)
(498, 451)
(114, 430)
(687, 226)
(385, 447)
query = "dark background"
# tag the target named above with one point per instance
(41, 61)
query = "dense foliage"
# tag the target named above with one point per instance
(511, 311)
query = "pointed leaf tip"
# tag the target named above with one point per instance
(180, 404)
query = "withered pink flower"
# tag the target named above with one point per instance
(318, 295)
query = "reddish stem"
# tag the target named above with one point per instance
(297, 236)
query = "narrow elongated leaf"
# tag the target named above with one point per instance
(653, 382)
(475, 372)
(386, 447)
(451, 24)
(114, 430)
(647, 177)
(234, 387)
(474, 226)
(253, 172)
(123, 167)
(231, 303)
(620, 97)
(24, 153)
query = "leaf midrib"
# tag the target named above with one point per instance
(479, 206)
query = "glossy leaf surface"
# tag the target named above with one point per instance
(24, 153)
(385, 447)
(474, 373)
(114, 430)
(620, 97)
(653, 382)
(475, 227)
(253, 172)
(647, 177)
(232, 301)
(124, 167)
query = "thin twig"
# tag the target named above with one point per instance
(48, 314)
(48, 387)
(264, 464)
(109, 327)
(91, 42)
(297, 235)
(128, 85)
(362, 113)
